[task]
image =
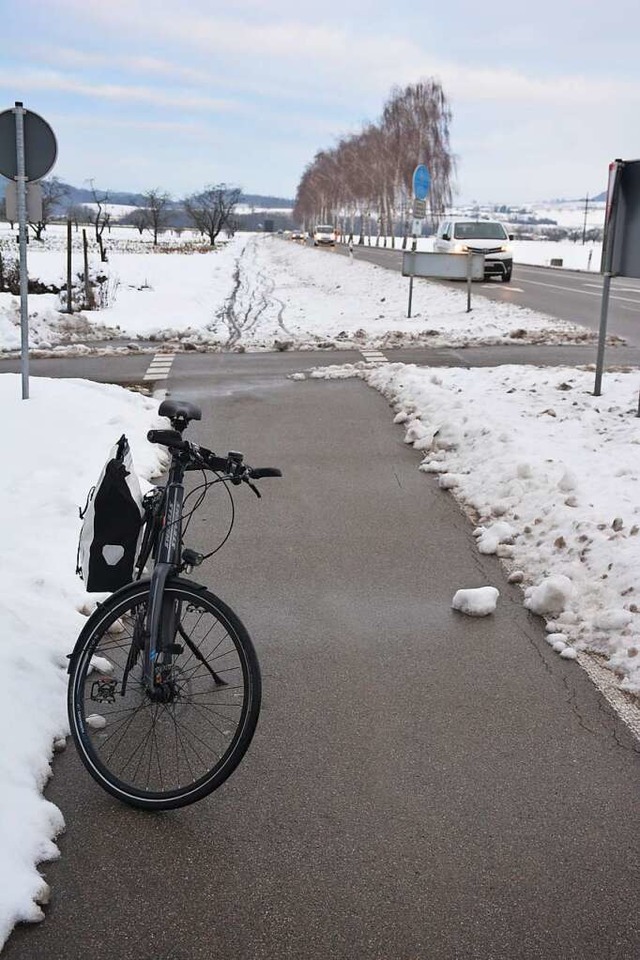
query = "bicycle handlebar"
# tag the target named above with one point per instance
(199, 457)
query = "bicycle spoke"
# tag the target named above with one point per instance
(179, 734)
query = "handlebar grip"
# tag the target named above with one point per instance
(257, 473)
(168, 438)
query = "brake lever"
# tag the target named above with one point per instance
(254, 488)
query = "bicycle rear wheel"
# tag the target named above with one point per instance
(160, 755)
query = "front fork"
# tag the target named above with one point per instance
(163, 613)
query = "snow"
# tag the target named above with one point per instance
(256, 292)
(476, 601)
(546, 471)
(551, 596)
(63, 434)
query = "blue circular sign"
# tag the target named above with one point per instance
(421, 182)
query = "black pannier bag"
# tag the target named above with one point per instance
(111, 524)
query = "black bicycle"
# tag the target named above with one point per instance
(164, 688)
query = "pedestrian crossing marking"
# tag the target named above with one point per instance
(160, 367)
(374, 356)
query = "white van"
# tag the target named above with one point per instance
(324, 235)
(478, 236)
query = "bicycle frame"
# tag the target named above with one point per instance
(165, 543)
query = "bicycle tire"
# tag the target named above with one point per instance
(164, 762)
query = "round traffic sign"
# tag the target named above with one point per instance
(40, 147)
(421, 182)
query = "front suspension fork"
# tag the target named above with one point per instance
(162, 625)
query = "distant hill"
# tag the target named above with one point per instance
(81, 195)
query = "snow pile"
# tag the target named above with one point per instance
(59, 440)
(548, 473)
(476, 601)
(550, 597)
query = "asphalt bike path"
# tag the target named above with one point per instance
(150, 368)
(421, 785)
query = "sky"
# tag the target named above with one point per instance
(172, 95)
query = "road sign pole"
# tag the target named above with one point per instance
(608, 245)
(602, 335)
(21, 185)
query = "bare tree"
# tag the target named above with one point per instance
(101, 219)
(78, 213)
(416, 119)
(53, 193)
(212, 210)
(138, 218)
(369, 174)
(156, 203)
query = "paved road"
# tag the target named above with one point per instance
(130, 370)
(422, 785)
(567, 294)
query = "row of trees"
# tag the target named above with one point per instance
(367, 177)
(211, 211)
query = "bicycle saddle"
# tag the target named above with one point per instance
(180, 410)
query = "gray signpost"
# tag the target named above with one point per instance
(621, 244)
(420, 182)
(28, 151)
(442, 266)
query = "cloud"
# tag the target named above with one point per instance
(256, 49)
(159, 97)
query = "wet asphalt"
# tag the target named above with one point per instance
(421, 785)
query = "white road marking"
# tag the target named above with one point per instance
(605, 682)
(587, 293)
(160, 367)
(374, 356)
(618, 289)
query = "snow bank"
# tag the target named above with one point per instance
(58, 440)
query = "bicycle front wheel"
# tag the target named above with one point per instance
(160, 755)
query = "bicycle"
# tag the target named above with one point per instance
(164, 681)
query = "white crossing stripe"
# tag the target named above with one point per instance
(159, 367)
(374, 356)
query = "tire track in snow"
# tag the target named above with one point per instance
(250, 299)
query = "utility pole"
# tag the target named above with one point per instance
(584, 228)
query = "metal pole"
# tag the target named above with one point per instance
(88, 304)
(584, 228)
(414, 247)
(69, 267)
(469, 255)
(602, 335)
(609, 262)
(21, 189)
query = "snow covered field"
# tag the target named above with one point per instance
(257, 293)
(547, 471)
